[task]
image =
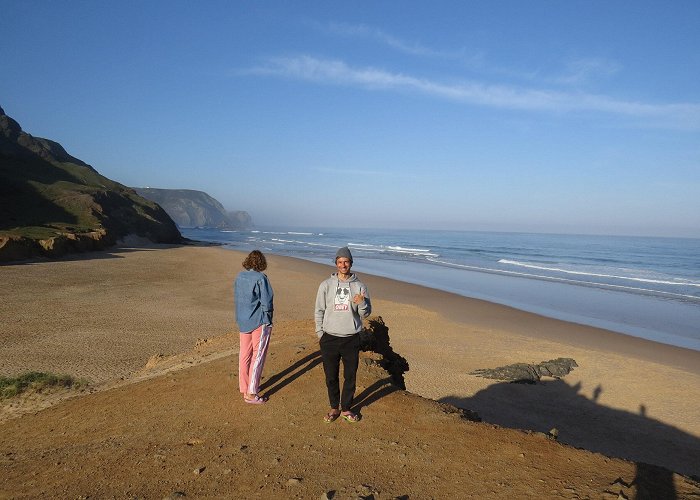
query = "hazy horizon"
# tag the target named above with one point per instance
(564, 118)
(490, 229)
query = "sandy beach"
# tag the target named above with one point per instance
(103, 316)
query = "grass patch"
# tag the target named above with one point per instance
(50, 230)
(37, 382)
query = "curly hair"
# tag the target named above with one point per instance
(255, 261)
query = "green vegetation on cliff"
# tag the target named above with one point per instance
(53, 203)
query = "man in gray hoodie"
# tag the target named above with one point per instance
(342, 302)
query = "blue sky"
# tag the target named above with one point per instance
(571, 116)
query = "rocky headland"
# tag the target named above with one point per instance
(190, 208)
(52, 203)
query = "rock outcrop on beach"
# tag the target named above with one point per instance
(190, 208)
(375, 338)
(527, 372)
(52, 203)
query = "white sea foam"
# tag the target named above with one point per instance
(566, 280)
(366, 248)
(598, 275)
(324, 245)
(373, 249)
(411, 250)
(393, 249)
(665, 271)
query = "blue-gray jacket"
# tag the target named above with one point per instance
(253, 297)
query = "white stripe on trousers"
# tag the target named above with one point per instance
(259, 361)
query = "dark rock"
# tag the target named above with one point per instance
(556, 367)
(375, 339)
(462, 413)
(528, 373)
(366, 491)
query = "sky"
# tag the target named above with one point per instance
(540, 116)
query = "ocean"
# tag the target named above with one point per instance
(641, 286)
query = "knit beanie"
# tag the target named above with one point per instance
(343, 252)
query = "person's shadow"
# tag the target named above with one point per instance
(374, 393)
(288, 375)
(655, 447)
(374, 338)
(615, 433)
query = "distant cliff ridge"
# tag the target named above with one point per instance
(189, 208)
(52, 203)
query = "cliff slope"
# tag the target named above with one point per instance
(190, 208)
(52, 203)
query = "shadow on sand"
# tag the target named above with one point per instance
(373, 339)
(584, 423)
(282, 379)
(115, 252)
(656, 448)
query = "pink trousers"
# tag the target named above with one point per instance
(251, 358)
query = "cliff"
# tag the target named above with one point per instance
(189, 208)
(52, 203)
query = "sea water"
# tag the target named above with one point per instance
(642, 286)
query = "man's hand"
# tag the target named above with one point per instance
(358, 298)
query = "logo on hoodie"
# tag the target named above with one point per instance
(342, 298)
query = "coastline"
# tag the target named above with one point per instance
(484, 315)
(612, 283)
(104, 315)
(638, 315)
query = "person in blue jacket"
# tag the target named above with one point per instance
(254, 306)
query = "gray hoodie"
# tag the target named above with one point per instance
(336, 313)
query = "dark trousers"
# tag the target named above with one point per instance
(333, 349)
